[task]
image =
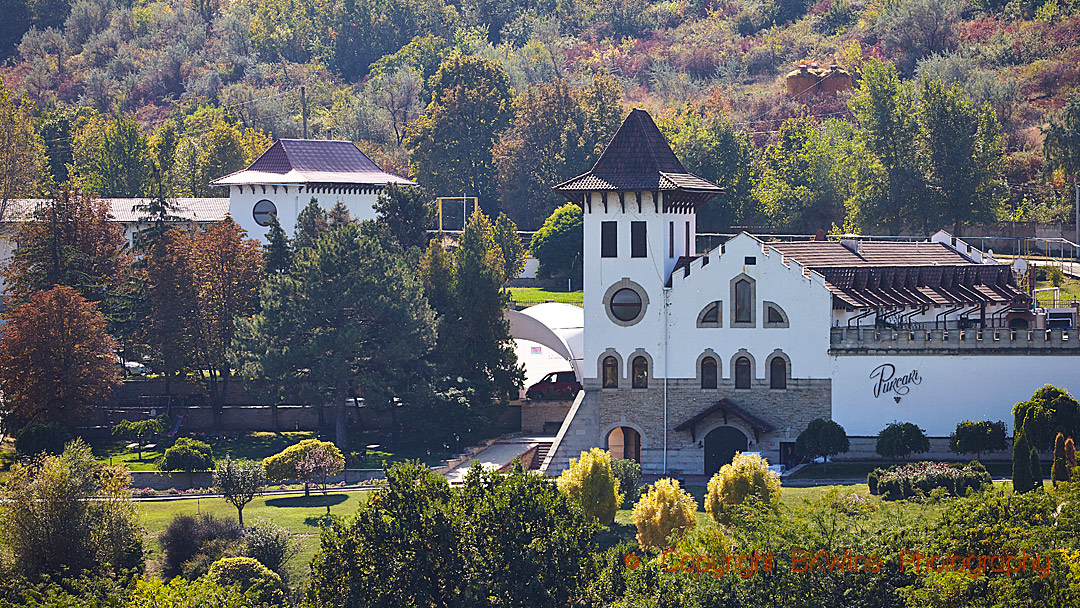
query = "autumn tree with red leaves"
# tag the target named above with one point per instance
(170, 304)
(70, 240)
(56, 359)
(226, 270)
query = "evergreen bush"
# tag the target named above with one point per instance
(628, 473)
(590, 482)
(1021, 469)
(747, 475)
(664, 512)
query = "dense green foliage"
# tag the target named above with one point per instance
(1022, 480)
(190, 544)
(822, 438)
(508, 539)
(918, 479)
(61, 515)
(1049, 411)
(322, 334)
(188, 455)
(982, 436)
(239, 481)
(38, 437)
(900, 440)
(557, 245)
(628, 474)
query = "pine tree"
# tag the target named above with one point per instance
(310, 223)
(277, 256)
(1021, 473)
(1059, 471)
(1036, 470)
(407, 212)
(349, 320)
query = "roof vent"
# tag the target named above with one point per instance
(851, 244)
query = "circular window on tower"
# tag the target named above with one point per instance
(262, 212)
(625, 302)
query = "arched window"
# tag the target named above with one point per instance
(744, 304)
(742, 372)
(611, 372)
(778, 373)
(708, 372)
(774, 315)
(640, 369)
(710, 315)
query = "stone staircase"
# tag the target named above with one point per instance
(542, 449)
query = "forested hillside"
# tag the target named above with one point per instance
(944, 126)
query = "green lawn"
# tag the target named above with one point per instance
(528, 296)
(295, 512)
(259, 445)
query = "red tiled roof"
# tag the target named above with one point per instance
(896, 274)
(821, 254)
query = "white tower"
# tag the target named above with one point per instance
(639, 208)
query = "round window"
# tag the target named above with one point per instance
(262, 212)
(625, 304)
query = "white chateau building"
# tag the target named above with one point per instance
(285, 178)
(690, 357)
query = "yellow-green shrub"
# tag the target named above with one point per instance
(254, 580)
(590, 482)
(282, 466)
(664, 510)
(747, 475)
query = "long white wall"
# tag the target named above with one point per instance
(941, 390)
(289, 202)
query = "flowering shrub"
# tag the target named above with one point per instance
(920, 478)
(143, 492)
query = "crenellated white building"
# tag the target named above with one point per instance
(690, 357)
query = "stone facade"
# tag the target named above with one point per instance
(788, 411)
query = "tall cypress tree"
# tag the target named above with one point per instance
(1060, 470)
(1036, 470)
(1021, 472)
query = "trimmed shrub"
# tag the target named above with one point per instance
(664, 512)
(900, 440)
(872, 479)
(257, 582)
(822, 438)
(189, 455)
(978, 437)
(282, 466)
(1036, 470)
(271, 544)
(747, 475)
(1059, 471)
(1070, 453)
(38, 437)
(590, 482)
(1021, 469)
(921, 478)
(628, 473)
(191, 544)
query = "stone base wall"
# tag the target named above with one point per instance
(862, 448)
(579, 433)
(788, 411)
(536, 415)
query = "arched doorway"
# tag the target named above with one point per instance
(624, 443)
(720, 446)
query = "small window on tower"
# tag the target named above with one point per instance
(609, 239)
(638, 243)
